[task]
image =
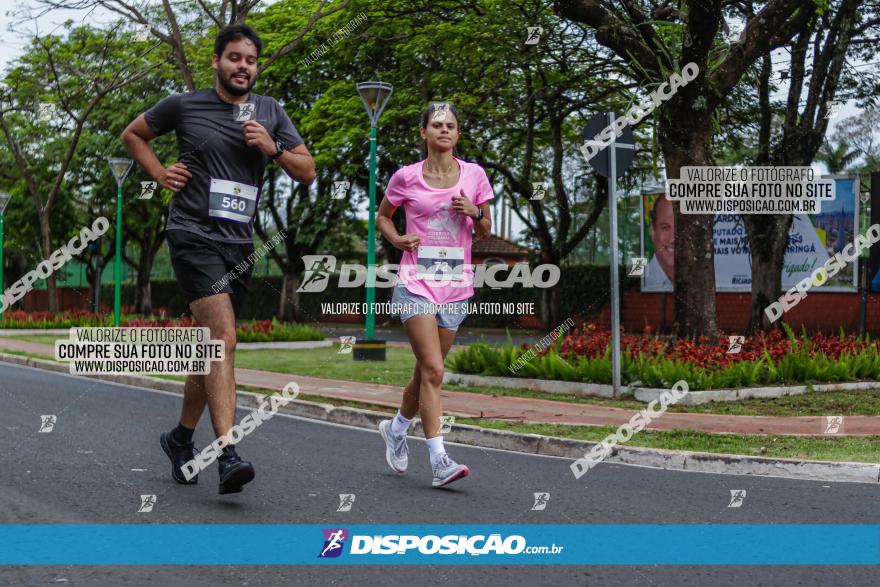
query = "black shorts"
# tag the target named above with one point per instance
(205, 267)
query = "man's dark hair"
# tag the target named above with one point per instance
(654, 209)
(233, 33)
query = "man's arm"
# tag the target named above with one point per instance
(298, 164)
(136, 139)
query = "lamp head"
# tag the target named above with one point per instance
(120, 168)
(375, 96)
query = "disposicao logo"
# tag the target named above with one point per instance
(334, 541)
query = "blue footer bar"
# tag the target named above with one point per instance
(625, 544)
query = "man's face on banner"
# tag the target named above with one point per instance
(237, 67)
(663, 235)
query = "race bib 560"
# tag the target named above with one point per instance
(231, 200)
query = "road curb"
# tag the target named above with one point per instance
(530, 443)
(571, 388)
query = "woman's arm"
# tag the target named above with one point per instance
(484, 227)
(385, 224)
(463, 205)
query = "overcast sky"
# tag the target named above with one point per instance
(15, 38)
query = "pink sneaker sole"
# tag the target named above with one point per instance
(461, 474)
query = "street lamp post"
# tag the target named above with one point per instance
(375, 96)
(99, 260)
(120, 168)
(4, 200)
(611, 165)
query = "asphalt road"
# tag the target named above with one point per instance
(103, 453)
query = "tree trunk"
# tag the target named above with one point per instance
(768, 239)
(146, 259)
(143, 294)
(551, 299)
(51, 289)
(288, 308)
(550, 307)
(685, 137)
(93, 274)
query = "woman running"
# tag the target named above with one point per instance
(445, 200)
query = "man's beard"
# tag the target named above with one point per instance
(227, 85)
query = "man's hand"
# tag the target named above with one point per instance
(174, 178)
(407, 242)
(257, 136)
(462, 205)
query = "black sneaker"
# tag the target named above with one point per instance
(179, 454)
(234, 473)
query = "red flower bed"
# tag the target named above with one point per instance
(22, 316)
(589, 341)
(264, 326)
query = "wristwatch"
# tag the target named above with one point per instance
(480, 215)
(281, 148)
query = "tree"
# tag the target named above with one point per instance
(539, 95)
(519, 105)
(655, 41)
(837, 159)
(183, 30)
(143, 219)
(72, 76)
(818, 70)
(860, 132)
(321, 100)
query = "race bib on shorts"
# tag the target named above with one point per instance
(231, 200)
(440, 263)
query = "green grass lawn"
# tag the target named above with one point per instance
(860, 449)
(398, 368)
(41, 338)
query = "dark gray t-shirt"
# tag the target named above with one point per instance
(220, 199)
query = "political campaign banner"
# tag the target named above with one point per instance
(812, 240)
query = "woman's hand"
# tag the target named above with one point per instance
(407, 242)
(462, 205)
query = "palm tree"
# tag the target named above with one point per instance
(837, 159)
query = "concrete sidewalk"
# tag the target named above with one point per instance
(528, 410)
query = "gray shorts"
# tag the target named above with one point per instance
(408, 304)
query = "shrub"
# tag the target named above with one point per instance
(653, 361)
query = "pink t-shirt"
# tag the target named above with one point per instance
(438, 270)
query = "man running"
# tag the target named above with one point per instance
(225, 136)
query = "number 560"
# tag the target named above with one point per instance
(234, 204)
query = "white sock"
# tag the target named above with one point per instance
(399, 425)
(435, 448)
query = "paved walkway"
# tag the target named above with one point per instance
(393, 336)
(527, 410)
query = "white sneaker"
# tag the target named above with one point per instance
(446, 471)
(396, 451)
